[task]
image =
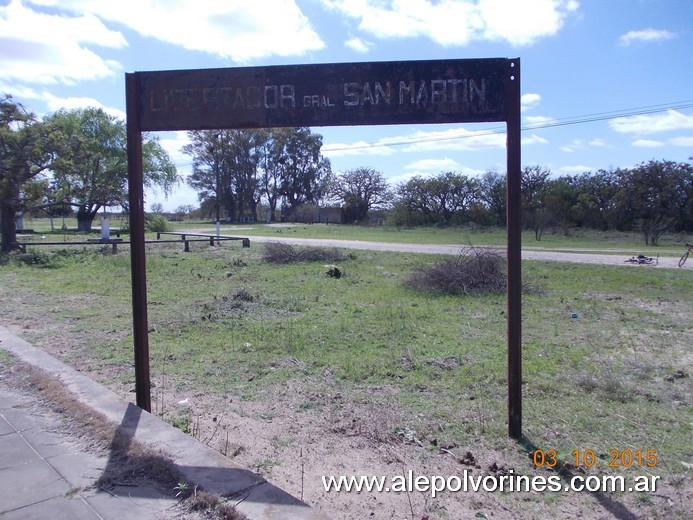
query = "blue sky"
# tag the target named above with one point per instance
(605, 83)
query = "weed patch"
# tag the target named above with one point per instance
(280, 253)
(472, 271)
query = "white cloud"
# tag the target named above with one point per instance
(533, 139)
(359, 45)
(682, 141)
(48, 49)
(538, 121)
(529, 101)
(458, 139)
(358, 148)
(575, 144)
(645, 36)
(652, 123)
(173, 142)
(522, 23)
(647, 143)
(458, 22)
(234, 29)
(55, 103)
(445, 164)
(578, 168)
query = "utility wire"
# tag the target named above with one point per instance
(589, 118)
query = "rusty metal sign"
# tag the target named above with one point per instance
(376, 93)
(443, 91)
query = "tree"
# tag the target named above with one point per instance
(22, 158)
(279, 164)
(534, 187)
(90, 161)
(272, 160)
(595, 206)
(492, 191)
(304, 169)
(440, 199)
(657, 197)
(225, 169)
(560, 201)
(360, 190)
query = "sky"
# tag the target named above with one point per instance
(605, 83)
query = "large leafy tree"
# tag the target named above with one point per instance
(243, 166)
(534, 188)
(443, 198)
(492, 192)
(23, 157)
(305, 171)
(360, 190)
(656, 197)
(272, 162)
(596, 199)
(225, 170)
(90, 163)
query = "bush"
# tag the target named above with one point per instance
(472, 271)
(156, 222)
(279, 253)
(36, 258)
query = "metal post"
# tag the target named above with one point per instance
(216, 172)
(514, 231)
(137, 244)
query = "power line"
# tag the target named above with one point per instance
(574, 120)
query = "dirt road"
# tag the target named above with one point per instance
(573, 255)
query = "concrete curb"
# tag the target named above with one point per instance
(199, 464)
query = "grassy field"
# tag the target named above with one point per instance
(227, 325)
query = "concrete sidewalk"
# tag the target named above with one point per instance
(47, 473)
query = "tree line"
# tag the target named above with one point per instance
(76, 161)
(653, 198)
(284, 169)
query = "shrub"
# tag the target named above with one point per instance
(36, 258)
(472, 271)
(156, 222)
(279, 253)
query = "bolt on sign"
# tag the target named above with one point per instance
(342, 94)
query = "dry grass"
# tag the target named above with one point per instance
(472, 271)
(280, 253)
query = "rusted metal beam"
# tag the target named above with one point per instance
(137, 243)
(514, 251)
(378, 93)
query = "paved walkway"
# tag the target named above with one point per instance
(48, 471)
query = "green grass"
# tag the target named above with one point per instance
(584, 239)
(224, 322)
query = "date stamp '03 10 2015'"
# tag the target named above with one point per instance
(616, 458)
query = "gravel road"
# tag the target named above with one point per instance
(574, 255)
